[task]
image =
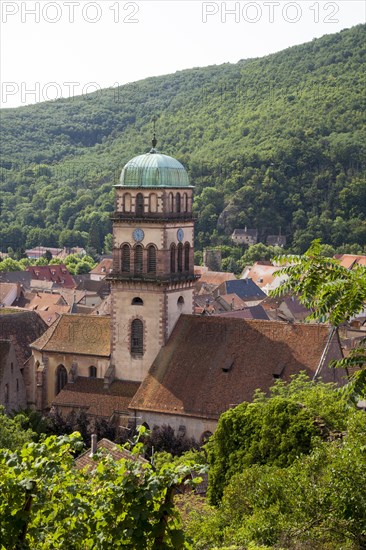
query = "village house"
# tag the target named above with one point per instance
(18, 329)
(245, 236)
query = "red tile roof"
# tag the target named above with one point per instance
(212, 363)
(76, 333)
(57, 274)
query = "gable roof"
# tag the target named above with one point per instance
(253, 312)
(244, 288)
(57, 274)
(212, 363)
(349, 260)
(78, 334)
(23, 277)
(104, 267)
(244, 232)
(7, 288)
(91, 395)
(110, 448)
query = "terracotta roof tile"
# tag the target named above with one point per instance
(110, 448)
(104, 267)
(212, 363)
(349, 260)
(76, 333)
(57, 274)
(90, 394)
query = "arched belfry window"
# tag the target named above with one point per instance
(186, 257)
(137, 337)
(172, 258)
(151, 259)
(139, 204)
(125, 259)
(138, 259)
(185, 202)
(127, 202)
(180, 258)
(153, 202)
(61, 378)
(177, 202)
(92, 371)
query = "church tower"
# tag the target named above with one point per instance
(153, 276)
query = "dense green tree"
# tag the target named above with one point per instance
(273, 430)
(12, 434)
(276, 142)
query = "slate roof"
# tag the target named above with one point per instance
(21, 328)
(244, 288)
(212, 363)
(254, 312)
(90, 395)
(22, 277)
(244, 232)
(76, 333)
(110, 448)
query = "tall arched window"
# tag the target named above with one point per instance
(151, 259)
(153, 202)
(137, 337)
(177, 202)
(125, 260)
(185, 202)
(139, 204)
(180, 258)
(138, 259)
(172, 258)
(186, 257)
(92, 371)
(61, 378)
(171, 202)
(127, 202)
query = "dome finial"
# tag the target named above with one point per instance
(154, 140)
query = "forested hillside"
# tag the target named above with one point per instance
(275, 142)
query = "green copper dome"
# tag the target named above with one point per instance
(154, 170)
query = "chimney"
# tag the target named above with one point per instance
(93, 448)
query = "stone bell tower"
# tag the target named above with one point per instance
(153, 276)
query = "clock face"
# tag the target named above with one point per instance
(180, 234)
(138, 235)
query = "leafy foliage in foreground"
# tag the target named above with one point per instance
(289, 498)
(317, 502)
(333, 293)
(269, 143)
(273, 430)
(47, 503)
